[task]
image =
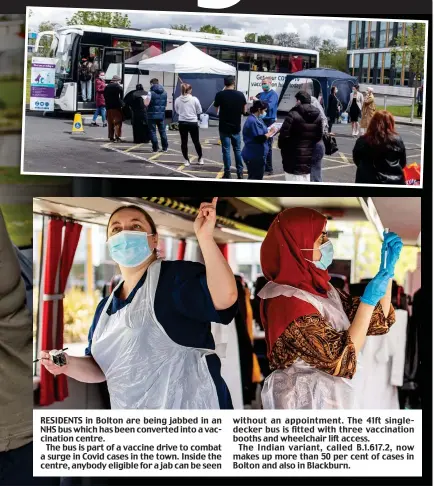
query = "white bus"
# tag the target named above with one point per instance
(118, 51)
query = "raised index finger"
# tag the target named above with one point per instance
(214, 201)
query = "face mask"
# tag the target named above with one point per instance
(326, 256)
(129, 248)
(262, 115)
(265, 87)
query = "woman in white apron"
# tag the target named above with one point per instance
(314, 332)
(151, 338)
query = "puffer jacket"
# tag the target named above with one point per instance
(300, 132)
(16, 392)
(157, 106)
(382, 164)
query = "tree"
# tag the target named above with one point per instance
(314, 42)
(211, 29)
(46, 26)
(328, 47)
(409, 51)
(284, 39)
(336, 61)
(262, 39)
(100, 19)
(180, 27)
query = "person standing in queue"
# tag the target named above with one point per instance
(100, 101)
(298, 136)
(151, 338)
(157, 116)
(272, 99)
(137, 101)
(332, 109)
(114, 95)
(380, 154)
(319, 149)
(419, 99)
(256, 135)
(354, 109)
(231, 106)
(188, 108)
(368, 109)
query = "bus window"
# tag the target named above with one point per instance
(284, 64)
(215, 52)
(137, 50)
(306, 62)
(169, 46)
(203, 49)
(228, 55)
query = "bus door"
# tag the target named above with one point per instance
(113, 63)
(243, 78)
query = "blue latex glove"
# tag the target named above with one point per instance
(376, 288)
(393, 244)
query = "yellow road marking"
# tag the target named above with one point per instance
(134, 147)
(344, 158)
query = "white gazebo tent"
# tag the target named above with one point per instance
(187, 59)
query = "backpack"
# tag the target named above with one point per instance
(85, 74)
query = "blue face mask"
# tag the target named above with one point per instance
(129, 248)
(262, 115)
(326, 256)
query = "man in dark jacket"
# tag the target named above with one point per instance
(157, 115)
(114, 95)
(300, 132)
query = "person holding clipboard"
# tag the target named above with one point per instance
(256, 135)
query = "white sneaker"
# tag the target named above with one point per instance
(201, 162)
(187, 163)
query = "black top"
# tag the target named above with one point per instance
(332, 107)
(300, 132)
(380, 164)
(113, 95)
(231, 103)
(184, 307)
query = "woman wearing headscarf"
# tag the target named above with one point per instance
(368, 109)
(314, 332)
(138, 100)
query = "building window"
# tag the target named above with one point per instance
(365, 63)
(356, 65)
(373, 35)
(383, 34)
(398, 71)
(359, 35)
(387, 67)
(371, 68)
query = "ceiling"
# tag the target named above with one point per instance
(400, 214)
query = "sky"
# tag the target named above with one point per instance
(236, 25)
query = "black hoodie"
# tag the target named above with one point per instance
(300, 132)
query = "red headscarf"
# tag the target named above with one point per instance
(284, 263)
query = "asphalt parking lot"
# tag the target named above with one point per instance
(51, 148)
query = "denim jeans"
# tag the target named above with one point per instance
(317, 156)
(86, 90)
(100, 111)
(160, 124)
(235, 140)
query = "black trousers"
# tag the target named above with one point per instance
(255, 169)
(16, 469)
(191, 128)
(419, 109)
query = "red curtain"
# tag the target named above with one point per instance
(224, 248)
(58, 262)
(182, 245)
